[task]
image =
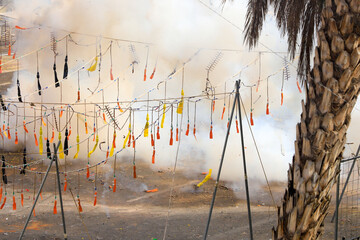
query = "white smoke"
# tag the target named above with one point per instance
(172, 31)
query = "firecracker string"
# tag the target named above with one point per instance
(153, 73)
(224, 108)
(164, 108)
(211, 120)
(146, 129)
(114, 183)
(251, 107)
(258, 83)
(267, 97)
(194, 129)
(147, 57)
(171, 127)
(134, 165)
(95, 190)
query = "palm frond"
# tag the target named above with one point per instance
(296, 19)
(310, 21)
(255, 18)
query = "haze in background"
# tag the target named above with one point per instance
(172, 31)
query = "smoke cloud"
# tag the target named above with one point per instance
(171, 31)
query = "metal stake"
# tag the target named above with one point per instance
(220, 167)
(38, 194)
(244, 162)
(60, 196)
(346, 182)
(336, 215)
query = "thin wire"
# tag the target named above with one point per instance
(173, 179)
(81, 217)
(258, 153)
(239, 28)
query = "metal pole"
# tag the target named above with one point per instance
(37, 197)
(220, 167)
(349, 159)
(60, 196)
(336, 215)
(347, 181)
(244, 161)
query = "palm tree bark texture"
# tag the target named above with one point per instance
(332, 87)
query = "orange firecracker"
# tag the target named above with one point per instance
(152, 75)
(16, 138)
(80, 208)
(298, 85)
(8, 131)
(2, 205)
(21, 28)
(94, 133)
(86, 128)
(114, 185)
(36, 140)
(87, 171)
(129, 141)
(65, 184)
(171, 137)
(187, 129)
(158, 133)
(68, 137)
(43, 122)
(114, 140)
(153, 157)
(55, 209)
(152, 190)
(95, 198)
(111, 75)
(104, 118)
(52, 136)
(14, 203)
(120, 109)
(134, 171)
(26, 130)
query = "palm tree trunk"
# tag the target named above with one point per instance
(332, 90)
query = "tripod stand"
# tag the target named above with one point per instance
(54, 159)
(236, 101)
